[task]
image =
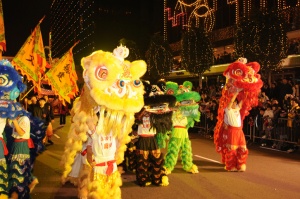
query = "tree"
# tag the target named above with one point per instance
(263, 38)
(197, 53)
(134, 52)
(159, 58)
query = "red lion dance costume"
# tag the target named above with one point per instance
(240, 76)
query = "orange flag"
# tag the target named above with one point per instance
(31, 59)
(2, 30)
(63, 78)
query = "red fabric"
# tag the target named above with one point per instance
(83, 153)
(182, 127)
(234, 152)
(29, 142)
(110, 165)
(4, 146)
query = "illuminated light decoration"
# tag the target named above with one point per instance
(229, 2)
(177, 18)
(207, 17)
(71, 21)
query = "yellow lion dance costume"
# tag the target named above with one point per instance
(102, 118)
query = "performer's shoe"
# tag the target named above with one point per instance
(33, 184)
(194, 169)
(167, 171)
(164, 181)
(231, 170)
(148, 184)
(243, 168)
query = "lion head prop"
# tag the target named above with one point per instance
(187, 100)
(243, 76)
(111, 95)
(11, 86)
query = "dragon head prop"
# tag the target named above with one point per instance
(11, 86)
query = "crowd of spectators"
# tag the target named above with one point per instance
(276, 119)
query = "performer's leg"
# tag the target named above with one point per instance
(84, 181)
(158, 175)
(131, 158)
(142, 167)
(105, 186)
(242, 153)
(230, 159)
(187, 157)
(172, 154)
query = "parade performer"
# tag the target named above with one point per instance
(242, 83)
(155, 118)
(15, 177)
(183, 118)
(10, 87)
(113, 91)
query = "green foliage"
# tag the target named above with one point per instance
(197, 53)
(263, 38)
(159, 58)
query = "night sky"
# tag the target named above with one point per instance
(20, 18)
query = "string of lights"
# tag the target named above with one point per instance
(72, 21)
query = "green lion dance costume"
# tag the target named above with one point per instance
(183, 118)
(102, 119)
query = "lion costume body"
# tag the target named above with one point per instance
(183, 118)
(239, 76)
(104, 112)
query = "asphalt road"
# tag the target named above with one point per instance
(270, 175)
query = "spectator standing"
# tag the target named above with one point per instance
(33, 103)
(63, 111)
(273, 91)
(284, 88)
(43, 112)
(292, 113)
(49, 130)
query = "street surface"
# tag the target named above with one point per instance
(270, 175)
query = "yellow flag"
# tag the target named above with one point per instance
(30, 59)
(2, 30)
(63, 78)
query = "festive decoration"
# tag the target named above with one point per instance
(11, 86)
(184, 116)
(72, 22)
(190, 14)
(197, 53)
(62, 77)
(258, 39)
(159, 58)
(30, 59)
(104, 112)
(2, 30)
(243, 76)
(133, 49)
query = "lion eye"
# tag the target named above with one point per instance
(121, 83)
(3, 80)
(101, 72)
(237, 72)
(136, 83)
(170, 92)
